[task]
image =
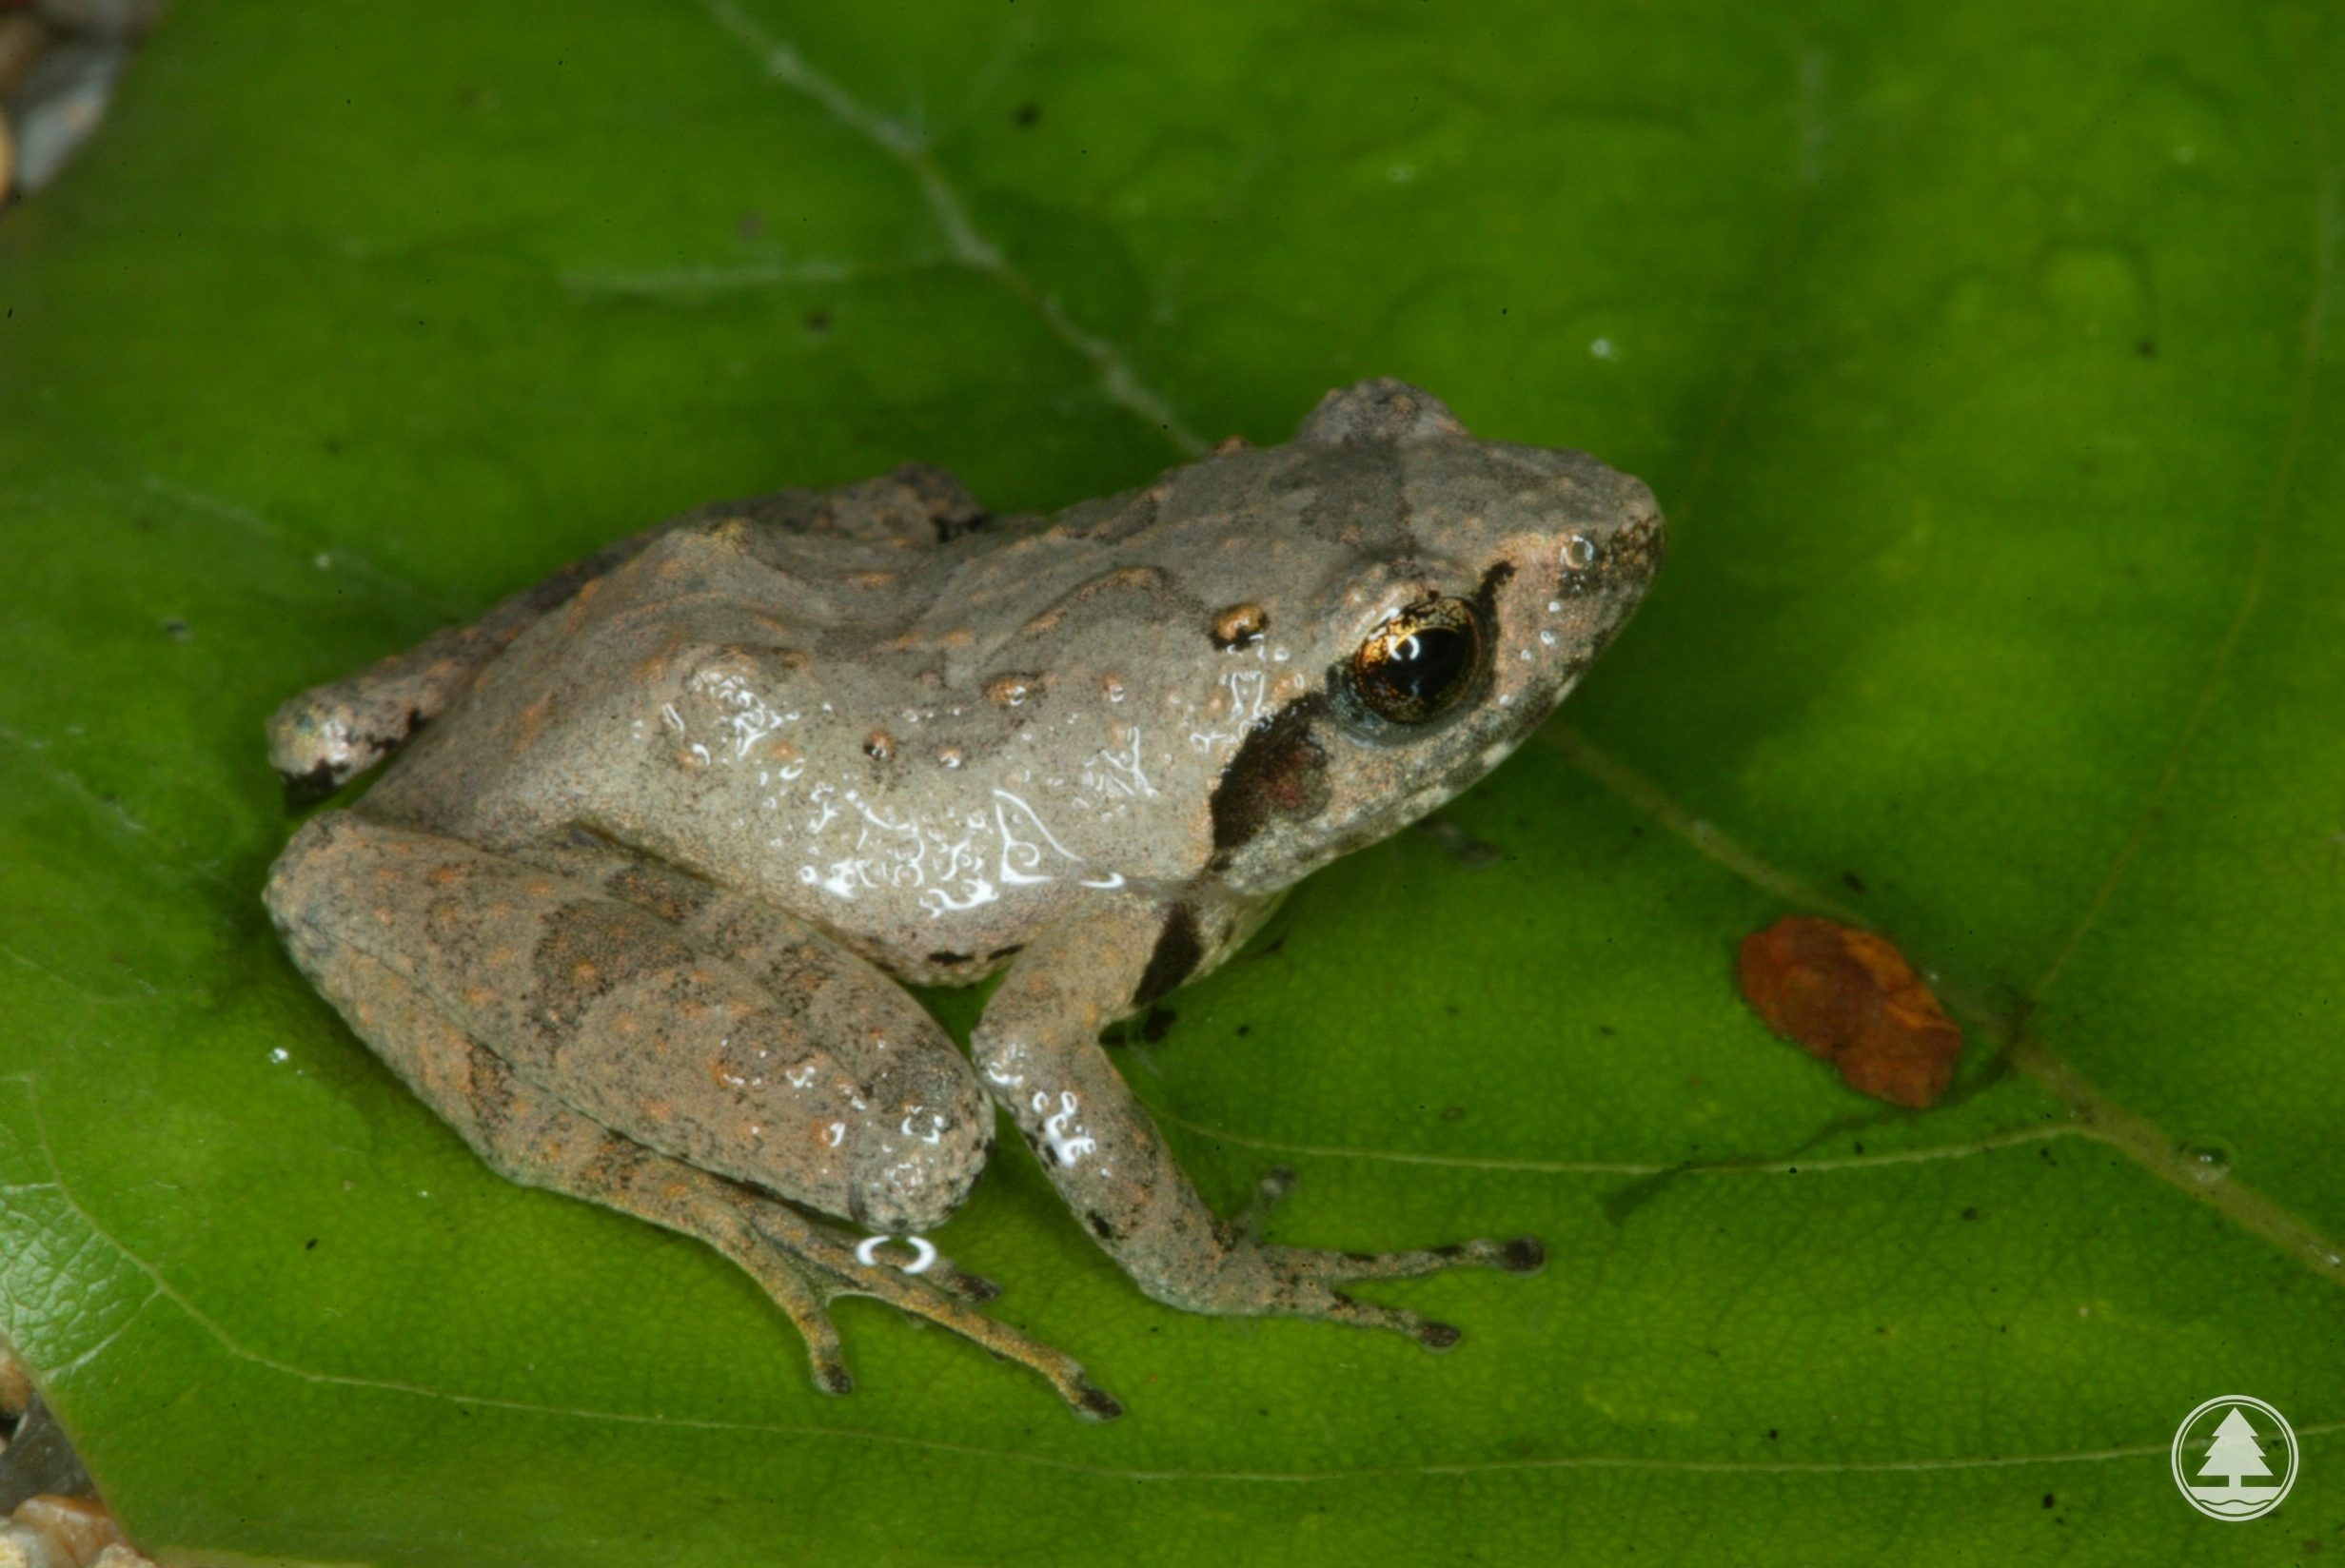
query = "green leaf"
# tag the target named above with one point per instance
(1981, 354)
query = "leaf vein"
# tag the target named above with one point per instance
(2274, 506)
(1756, 1166)
(163, 1289)
(255, 523)
(103, 807)
(967, 244)
(2136, 1137)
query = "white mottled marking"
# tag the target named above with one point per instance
(1068, 1140)
(923, 1252)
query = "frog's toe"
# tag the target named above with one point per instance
(1338, 1308)
(1094, 1404)
(950, 1277)
(973, 1288)
(1255, 1277)
(1436, 1337)
(1522, 1255)
(1269, 1191)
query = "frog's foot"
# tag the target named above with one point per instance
(1253, 1277)
(1300, 1282)
(830, 1265)
(804, 1266)
(525, 1134)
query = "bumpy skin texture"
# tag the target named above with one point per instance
(626, 911)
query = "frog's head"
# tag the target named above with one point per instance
(1467, 599)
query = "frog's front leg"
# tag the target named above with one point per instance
(330, 734)
(1037, 1049)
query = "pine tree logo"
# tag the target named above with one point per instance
(2235, 1457)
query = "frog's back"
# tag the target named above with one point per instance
(928, 746)
(930, 731)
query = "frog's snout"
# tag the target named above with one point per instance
(1634, 547)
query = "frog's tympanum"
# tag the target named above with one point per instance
(631, 908)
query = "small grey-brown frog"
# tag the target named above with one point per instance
(631, 910)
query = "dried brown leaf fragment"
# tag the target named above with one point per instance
(1850, 997)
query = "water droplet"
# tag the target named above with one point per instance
(1579, 553)
(2208, 1160)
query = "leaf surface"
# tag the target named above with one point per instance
(1981, 354)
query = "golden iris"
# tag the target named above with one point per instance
(1415, 666)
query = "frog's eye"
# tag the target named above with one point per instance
(1417, 664)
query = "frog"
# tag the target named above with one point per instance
(665, 837)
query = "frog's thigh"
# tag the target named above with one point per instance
(867, 1018)
(527, 1135)
(842, 1094)
(1038, 1048)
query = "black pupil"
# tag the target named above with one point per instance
(1426, 663)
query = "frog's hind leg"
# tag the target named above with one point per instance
(341, 885)
(526, 1136)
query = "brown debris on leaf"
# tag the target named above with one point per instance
(1849, 997)
(81, 1525)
